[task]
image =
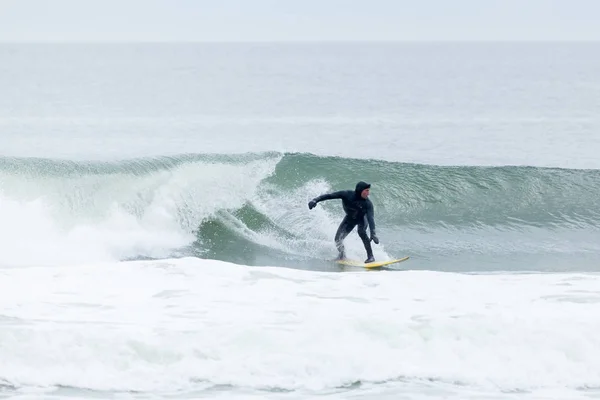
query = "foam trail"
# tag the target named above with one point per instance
(185, 325)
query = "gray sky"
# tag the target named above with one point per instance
(276, 20)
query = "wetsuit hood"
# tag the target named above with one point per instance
(360, 186)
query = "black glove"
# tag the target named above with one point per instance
(312, 204)
(374, 238)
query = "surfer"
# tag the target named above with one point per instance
(359, 212)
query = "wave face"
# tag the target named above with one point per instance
(434, 196)
(252, 208)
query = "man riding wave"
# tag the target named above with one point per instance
(359, 211)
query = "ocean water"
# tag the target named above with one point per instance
(155, 239)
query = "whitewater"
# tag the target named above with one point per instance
(155, 239)
(208, 329)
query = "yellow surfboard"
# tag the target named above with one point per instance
(376, 264)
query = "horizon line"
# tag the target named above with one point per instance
(300, 41)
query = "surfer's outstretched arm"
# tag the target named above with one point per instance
(327, 196)
(330, 196)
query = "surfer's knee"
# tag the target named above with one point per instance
(362, 232)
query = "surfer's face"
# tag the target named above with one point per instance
(365, 193)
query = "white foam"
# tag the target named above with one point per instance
(104, 217)
(184, 324)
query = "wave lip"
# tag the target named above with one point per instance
(67, 211)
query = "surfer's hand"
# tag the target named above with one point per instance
(312, 204)
(375, 239)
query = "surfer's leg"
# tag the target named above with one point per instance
(343, 230)
(362, 232)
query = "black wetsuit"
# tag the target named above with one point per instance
(359, 212)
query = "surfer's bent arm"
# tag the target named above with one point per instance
(371, 219)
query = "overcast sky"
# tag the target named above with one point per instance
(276, 20)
